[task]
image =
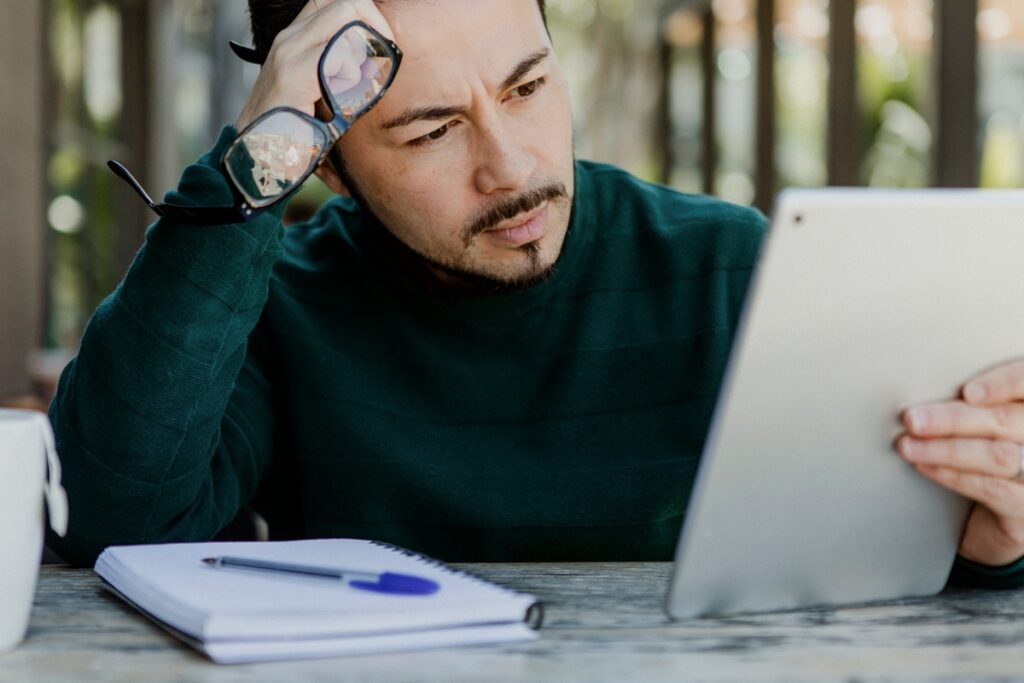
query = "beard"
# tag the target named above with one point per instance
(452, 279)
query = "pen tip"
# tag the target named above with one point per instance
(210, 561)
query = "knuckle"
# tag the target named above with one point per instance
(347, 8)
(280, 53)
(1004, 455)
(995, 488)
(1015, 534)
(1004, 418)
(283, 37)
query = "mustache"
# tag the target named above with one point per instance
(511, 207)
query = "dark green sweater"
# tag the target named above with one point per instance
(310, 369)
(310, 373)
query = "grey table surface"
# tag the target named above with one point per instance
(604, 622)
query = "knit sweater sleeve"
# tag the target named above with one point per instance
(163, 419)
(973, 575)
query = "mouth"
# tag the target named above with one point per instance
(522, 229)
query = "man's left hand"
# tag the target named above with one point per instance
(975, 447)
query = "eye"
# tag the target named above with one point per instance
(434, 135)
(528, 89)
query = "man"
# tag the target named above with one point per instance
(490, 353)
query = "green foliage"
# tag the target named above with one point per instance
(897, 135)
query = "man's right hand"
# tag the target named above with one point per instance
(289, 76)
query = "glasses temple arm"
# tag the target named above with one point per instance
(125, 175)
(194, 215)
(247, 54)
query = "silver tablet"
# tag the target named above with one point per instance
(864, 302)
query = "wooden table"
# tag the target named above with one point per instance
(604, 623)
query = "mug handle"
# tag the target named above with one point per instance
(56, 496)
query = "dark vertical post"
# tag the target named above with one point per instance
(664, 148)
(22, 189)
(844, 125)
(709, 153)
(137, 131)
(764, 173)
(955, 50)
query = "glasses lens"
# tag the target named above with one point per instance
(356, 68)
(273, 156)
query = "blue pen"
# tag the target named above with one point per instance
(385, 582)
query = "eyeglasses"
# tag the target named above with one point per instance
(277, 152)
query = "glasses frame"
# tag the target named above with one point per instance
(246, 207)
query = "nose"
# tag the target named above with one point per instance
(503, 163)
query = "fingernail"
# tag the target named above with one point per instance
(974, 393)
(909, 446)
(917, 418)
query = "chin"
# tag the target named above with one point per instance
(532, 264)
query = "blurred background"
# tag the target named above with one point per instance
(737, 98)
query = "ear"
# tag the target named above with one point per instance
(326, 173)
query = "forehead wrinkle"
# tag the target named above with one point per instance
(442, 107)
(456, 58)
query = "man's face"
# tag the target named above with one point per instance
(468, 158)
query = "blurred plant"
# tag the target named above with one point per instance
(1000, 68)
(1002, 152)
(609, 51)
(85, 103)
(894, 71)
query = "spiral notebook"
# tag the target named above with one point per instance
(244, 616)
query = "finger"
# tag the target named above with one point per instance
(1001, 384)
(303, 42)
(344, 63)
(297, 49)
(308, 10)
(1004, 497)
(1004, 421)
(314, 6)
(976, 456)
(321, 25)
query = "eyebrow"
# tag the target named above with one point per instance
(524, 68)
(439, 113)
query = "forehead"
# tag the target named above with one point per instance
(447, 42)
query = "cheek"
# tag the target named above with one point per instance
(422, 204)
(424, 188)
(558, 127)
(546, 131)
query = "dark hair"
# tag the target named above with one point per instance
(270, 17)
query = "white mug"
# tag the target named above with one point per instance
(27, 453)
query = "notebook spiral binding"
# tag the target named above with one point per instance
(534, 617)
